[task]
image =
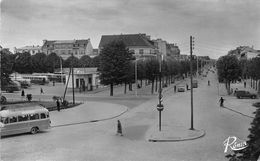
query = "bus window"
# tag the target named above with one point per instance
(4, 120)
(13, 119)
(34, 116)
(23, 118)
(43, 116)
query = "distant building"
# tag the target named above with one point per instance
(30, 49)
(139, 44)
(94, 54)
(245, 52)
(65, 48)
(161, 46)
(85, 79)
(172, 50)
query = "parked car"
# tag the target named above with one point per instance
(245, 94)
(181, 88)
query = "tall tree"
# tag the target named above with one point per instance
(72, 60)
(152, 71)
(6, 67)
(52, 62)
(228, 70)
(23, 63)
(115, 60)
(38, 63)
(85, 61)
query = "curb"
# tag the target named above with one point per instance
(202, 133)
(91, 121)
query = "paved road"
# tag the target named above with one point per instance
(97, 141)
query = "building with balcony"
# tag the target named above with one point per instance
(65, 48)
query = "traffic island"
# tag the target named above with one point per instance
(173, 134)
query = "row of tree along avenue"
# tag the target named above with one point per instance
(116, 64)
(230, 68)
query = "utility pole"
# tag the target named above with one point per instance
(72, 67)
(197, 67)
(160, 105)
(136, 84)
(191, 81)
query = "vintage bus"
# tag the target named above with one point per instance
(17, 119)
(36, 79)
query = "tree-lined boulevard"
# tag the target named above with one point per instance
(97, 141)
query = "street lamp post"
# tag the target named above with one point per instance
(136, 84)
(160, 105)
(191, 81)
(61, 69)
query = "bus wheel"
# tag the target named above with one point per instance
(34, 130)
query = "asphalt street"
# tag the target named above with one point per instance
(97, 141)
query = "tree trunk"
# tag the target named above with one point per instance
(111, 89)
(156, 82)
(152, 86)
(125, 88)
(130, 87)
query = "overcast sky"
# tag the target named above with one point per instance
(217, 25)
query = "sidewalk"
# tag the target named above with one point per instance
(242, 106)
(85, 113)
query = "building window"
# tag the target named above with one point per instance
(132, 51)
(141, 51)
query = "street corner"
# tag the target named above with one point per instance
(173, 134)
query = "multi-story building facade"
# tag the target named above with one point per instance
(65, 48)
(172, 50)
(161, 46)
(30, 49)
(139, 44)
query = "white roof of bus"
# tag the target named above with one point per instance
(21, 109)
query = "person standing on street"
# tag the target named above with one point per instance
(244, 84)
(221, 101)
(42, 91)
(119, 128)
(22, 94)
(58, 105)
(208, 83)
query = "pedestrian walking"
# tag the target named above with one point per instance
(42, 91)
(187, 86)
(22, 94)
(175, 89)
(53, 83)
(235, 92)
(58, 104)
(244, 84)
(208, 83)
(119, 128)
(221, 101)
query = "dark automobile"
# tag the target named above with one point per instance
(245, 94)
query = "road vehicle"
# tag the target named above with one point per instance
(36, 79)
(22, 118)
(245, 94)
(194, 83)
(181, 88)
